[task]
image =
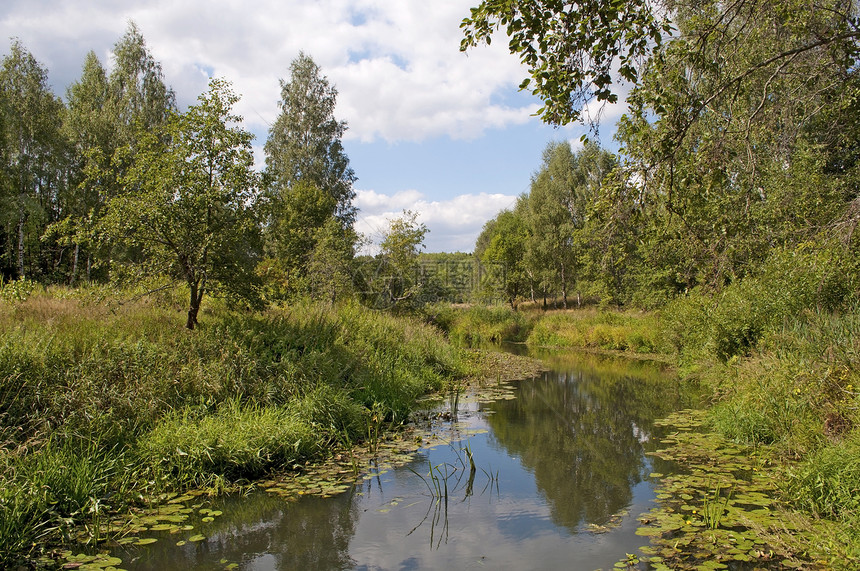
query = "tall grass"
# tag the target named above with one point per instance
(479, 325)
(828, 481)
(99, 398)
(598, 329)
(781, 353)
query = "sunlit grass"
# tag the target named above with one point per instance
(596, 329)
(104, 396)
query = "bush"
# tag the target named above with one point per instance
(732, 322)
(763, 401)
(479, 325)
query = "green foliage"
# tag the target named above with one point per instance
(61, 484)
(736, 164)
(33, 161)
(138, 94)
(234, 442)
(304, 144)
(571, 51)
(731, 323)
(16, 290)
(187, 202)
(394, 279)
(309, 238)
(544, 242)
(762, 404)
(478, 325)
(56, 162)
(826, 483)
(309, 251)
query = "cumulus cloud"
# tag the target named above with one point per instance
(454, 224)
(396, 64)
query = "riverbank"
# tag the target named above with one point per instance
(104, 404)
(784, 385)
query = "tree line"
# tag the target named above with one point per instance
(115, 183)
(739, 152)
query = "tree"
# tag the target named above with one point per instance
(91, 130)
(34, 165)
(732, 116)
(751, 99)
(330, 264)
(187, 201)
(138, 94)
(507, 241)
(571, 49)
(304, 144)
(561, 194)
(393, 279)
(309, 189)
(306, 245)
(550, 249)
(105, 114)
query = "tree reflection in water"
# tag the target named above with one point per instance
(260, 533)
(581, 429)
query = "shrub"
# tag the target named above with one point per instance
(732, 322)
(608, 330)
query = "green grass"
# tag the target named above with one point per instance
(796, 393)
(235, 442)
(828, 481)
(479, 325)
(597, 329)
(102, 401)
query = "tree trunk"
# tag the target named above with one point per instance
(194, 304)
(21, 220)
(563, 287)
(75, 258)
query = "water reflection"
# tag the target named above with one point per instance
(261, 532)
(566, 453)
(581, 430)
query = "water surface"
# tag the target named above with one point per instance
(560, 478)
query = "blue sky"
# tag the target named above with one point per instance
(431, 129)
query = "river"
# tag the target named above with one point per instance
(560, 476)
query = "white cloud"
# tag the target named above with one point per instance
(454, 224)
(396, 63)
(371, 201)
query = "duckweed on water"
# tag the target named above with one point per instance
(721, 511)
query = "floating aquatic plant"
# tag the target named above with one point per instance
(739, 522)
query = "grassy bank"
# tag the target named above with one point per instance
(587, 328)
(103, 403)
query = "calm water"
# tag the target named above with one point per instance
(561, 476)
